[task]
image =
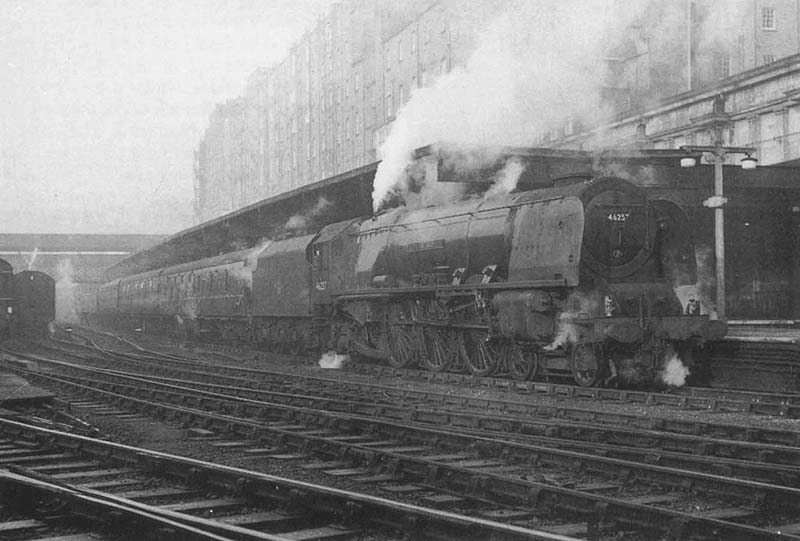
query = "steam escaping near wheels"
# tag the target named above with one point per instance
(333, 360)
(675, 372)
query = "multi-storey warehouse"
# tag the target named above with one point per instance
(327, 107)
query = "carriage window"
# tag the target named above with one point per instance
(319, 261)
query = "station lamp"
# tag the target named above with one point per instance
(716, 155)
(749, 162)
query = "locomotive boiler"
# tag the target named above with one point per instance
(576, 279)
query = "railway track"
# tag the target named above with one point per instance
(587, 423)
(54, 482)
(558, 431)
(733, 399)
(407, 450)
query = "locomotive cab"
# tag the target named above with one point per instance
(329, 256)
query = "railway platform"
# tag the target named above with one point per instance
(15, 390)
(779, 331)
(762, 354)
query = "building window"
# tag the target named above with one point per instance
(357, 124)
(769, 58)
(399, 50)
(768, 18)
(413, 42)
(389, 103)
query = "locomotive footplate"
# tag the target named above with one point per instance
(630, 329)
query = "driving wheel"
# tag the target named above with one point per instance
(402, 347)
(439, 351)
(480, 355)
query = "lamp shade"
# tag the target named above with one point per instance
(749, 162)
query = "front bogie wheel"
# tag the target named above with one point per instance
(521, 362)
(587, 364)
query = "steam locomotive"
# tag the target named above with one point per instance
(577, 279)
(27, 302)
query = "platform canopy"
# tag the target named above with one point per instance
(349, 195)
(289, 214)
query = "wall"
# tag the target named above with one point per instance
(327, 107)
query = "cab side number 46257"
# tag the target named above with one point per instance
(618, 216)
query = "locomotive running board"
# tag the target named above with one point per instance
(367, 351)
(460, 290)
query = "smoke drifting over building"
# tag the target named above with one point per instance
(526, 75)
(374, 79)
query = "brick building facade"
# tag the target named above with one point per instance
(327, 107)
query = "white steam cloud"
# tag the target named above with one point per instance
(674, 372)
(537, 64)
(578, 304)
(66, 311)
(506, 179)
(302, 221)
(701, 292)
(333, 360)
(32, 258)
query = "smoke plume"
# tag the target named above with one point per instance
(301, 222)
(536, 64)
(333, 360)
(33, 257)
(252, 258)
(66, 311)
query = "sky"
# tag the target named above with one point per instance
(103, 103)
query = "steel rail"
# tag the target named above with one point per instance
(504, 488)
(100, 505)
(700, 398)
(357, 506)
(784, 463)
(527, 409)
